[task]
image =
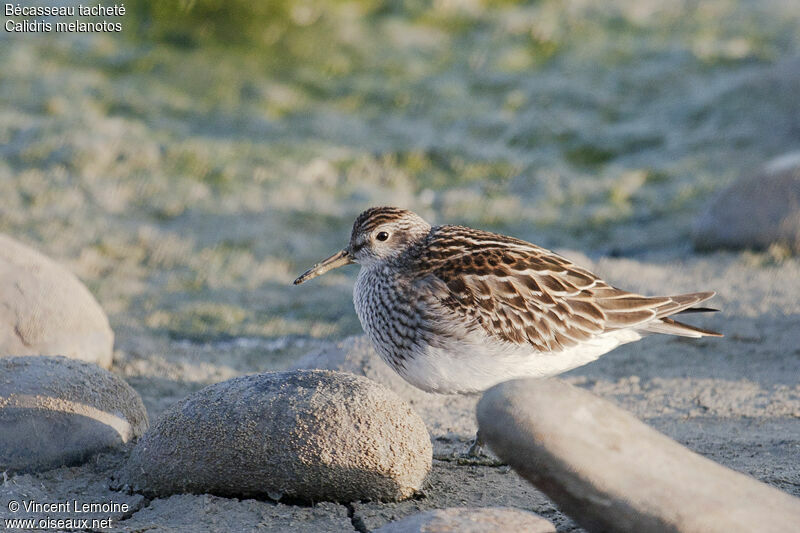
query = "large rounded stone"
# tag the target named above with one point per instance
(756, 211)
(56, 411)
(308, 435)
(46, 310)
(470, 520)
(611, 472)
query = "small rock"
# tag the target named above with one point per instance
(46, 310)
(611, 472)
(756, 211)
(303, 435)
(470, 520)
(57, 411)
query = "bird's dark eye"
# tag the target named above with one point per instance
(382, 236)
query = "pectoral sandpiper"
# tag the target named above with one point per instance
(457, 310)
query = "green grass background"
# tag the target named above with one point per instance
(189, 168)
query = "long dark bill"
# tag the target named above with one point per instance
(335, 261)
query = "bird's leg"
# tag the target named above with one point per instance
(476, 456)
(476, 448)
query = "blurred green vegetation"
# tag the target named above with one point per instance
(286, 24)
(194, 165)
(191, 23)
(280, 27)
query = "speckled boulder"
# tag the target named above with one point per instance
(56, 411)
(756, 211)
(305, 435)
(46, 310)
(470, 520)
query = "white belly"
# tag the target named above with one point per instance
(475, 366)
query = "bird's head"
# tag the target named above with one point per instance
(378, 233)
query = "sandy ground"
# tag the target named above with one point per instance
(735, 400)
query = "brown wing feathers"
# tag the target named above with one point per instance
(522, 293)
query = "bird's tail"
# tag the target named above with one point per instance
(681, 304)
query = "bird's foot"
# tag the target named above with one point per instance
(476, 456)
(476, 448)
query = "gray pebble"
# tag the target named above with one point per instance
(756, 211)
(57, 411)
(46, 310)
